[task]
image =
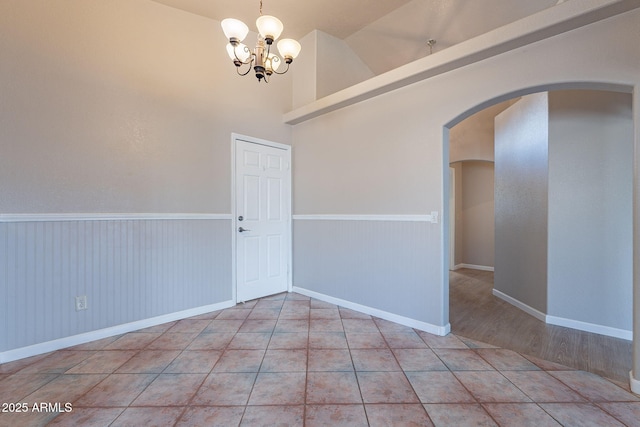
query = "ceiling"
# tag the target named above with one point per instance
(384, 34)
(340, 18)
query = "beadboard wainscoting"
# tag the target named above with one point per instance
(382, 265)
(135, 271)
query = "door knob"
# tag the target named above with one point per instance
(240, 229)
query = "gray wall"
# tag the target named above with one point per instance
(389, 154)
(521, 187)
(130, 270)
(477, 204)
(378, 264)
(590, 207)
(123, 107)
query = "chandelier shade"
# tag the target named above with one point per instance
(289, 48)
(269, 27)
(263, 62)
(234, 29)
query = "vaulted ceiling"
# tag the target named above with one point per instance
(385, 34)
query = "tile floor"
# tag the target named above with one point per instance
(290, 360)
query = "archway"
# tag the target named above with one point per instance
(524, 92)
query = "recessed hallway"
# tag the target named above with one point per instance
(477, 314)
(295, 361)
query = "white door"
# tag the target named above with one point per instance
(262, 223)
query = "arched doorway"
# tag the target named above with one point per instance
(553, 295)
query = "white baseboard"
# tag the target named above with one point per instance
(634, 383)
(522, 306)
(473, 267)
(590, 327)
(46, 347)
(567, 323)
(406, 321)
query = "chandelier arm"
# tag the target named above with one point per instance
(276, 72)
(249, 68)
(246, 49)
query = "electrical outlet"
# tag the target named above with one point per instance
(81, 303)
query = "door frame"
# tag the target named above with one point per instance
(234, 215)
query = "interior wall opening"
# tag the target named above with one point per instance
(557, 157)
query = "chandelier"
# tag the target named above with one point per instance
(262, 60)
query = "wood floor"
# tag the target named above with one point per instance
(475, 313)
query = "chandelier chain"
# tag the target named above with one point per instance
(260, 7)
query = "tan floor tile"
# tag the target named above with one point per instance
(189, 326)
(336, 416)
(17, 365)
(439, 387)
(491, 387)
(582, 414)
(133, 341)
(220, 416)
(220, 389)
(157, 417)
(250, 341)
(417, 359)
(285, 388)
(239, 361)
(105, 361)
(324, 313)
(116, 390)
(284, 361)
(448, 341)
(292, 416)
(594, 387)
(170, 390)
(194, 362)
(386, 387)
(397, 415)
(520, 414)
(258, 326)
(328, 340)
(58, 362)
(211, 341)
(404, 340)
(360, 326)
(330, 360)
(289, 341)
(506, 360)
(332, 388)
(380, 359)
(292, 325)
(462, 360)
(326, 325)
(366, 340)
(224, 325)
(87, 417)
(148, 362)
(265, 313)
(173, 341)
(459, 415)
(16, 387)
(542, 387)
(65, 388)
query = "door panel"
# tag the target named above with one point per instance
(263, 187)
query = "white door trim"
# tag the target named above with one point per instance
(234, 222)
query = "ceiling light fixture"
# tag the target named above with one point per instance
(263, 61)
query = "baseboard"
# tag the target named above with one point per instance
(46, 347)
(522, 306)
(406, 321)
(473, 267)
(567, 323)
(634, 383)
(590, 327)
